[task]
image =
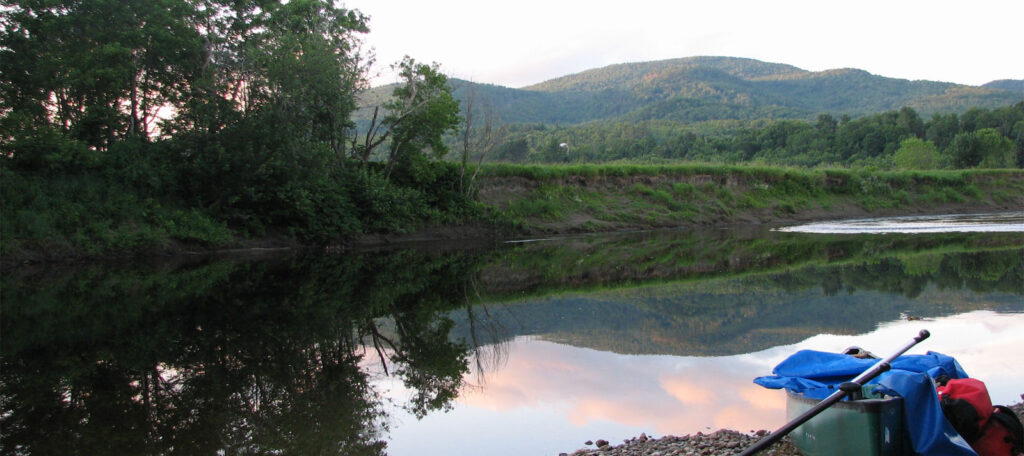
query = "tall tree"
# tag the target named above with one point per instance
(414, 121)
(985, 148)
(942, 128)
(478, 138)
(419, 114)
(908, 120)
(308, 70)
(96, 70)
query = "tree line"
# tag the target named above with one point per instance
(894, 139)
(131, 122)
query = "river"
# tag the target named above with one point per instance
(514, 348)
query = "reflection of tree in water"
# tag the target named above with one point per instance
(487, 335)
(991, 271)
(252, 358)
(669, 256)
(263, 356)
(742, 313)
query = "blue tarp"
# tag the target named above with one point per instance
(817, 374)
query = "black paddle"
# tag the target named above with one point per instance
(849, 387)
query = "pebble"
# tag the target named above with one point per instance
(724, 442)
(719, 443)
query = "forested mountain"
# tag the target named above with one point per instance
(736, 110)
(1007, 84)
(696, 89)
(633, 74)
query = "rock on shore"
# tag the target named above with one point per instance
(723, 442)
(719, 443)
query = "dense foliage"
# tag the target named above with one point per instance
(131, 124)
(976, 138)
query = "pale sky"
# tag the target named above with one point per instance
(522, 42)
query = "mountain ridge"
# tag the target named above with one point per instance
(1016, 85)
(702, 88)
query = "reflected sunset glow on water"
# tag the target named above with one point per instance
(574, 394)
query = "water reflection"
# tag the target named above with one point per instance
(253, 357)
(663, 394)
(358, 352)
(727, 316)
(581, 394)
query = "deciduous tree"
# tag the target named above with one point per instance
(983, 148)
(916, 153)
(96, 70)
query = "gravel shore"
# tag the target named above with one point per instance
(723, 442)
(719, 443)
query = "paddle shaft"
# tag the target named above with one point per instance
(845, 389)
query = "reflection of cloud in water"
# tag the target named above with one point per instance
(665, 394)
(578, 394)
(687, 391)
(679, 394)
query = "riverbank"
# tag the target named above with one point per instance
(553, 200)
(719, 443)
(563, 200)
(514, 202)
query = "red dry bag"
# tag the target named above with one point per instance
(991, 430)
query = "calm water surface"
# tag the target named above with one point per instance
(549, 398)
(529, 348)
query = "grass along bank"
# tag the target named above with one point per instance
(592, 198)
(96, 210)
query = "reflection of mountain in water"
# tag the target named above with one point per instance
(265, 356)
(731, 316)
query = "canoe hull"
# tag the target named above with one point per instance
(872, 427)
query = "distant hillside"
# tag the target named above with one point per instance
(640, 73)
(698, 89)
(1014, 85)
(529, 106)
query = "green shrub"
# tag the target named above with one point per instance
(684, 189)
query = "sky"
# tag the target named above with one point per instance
(523, 42)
